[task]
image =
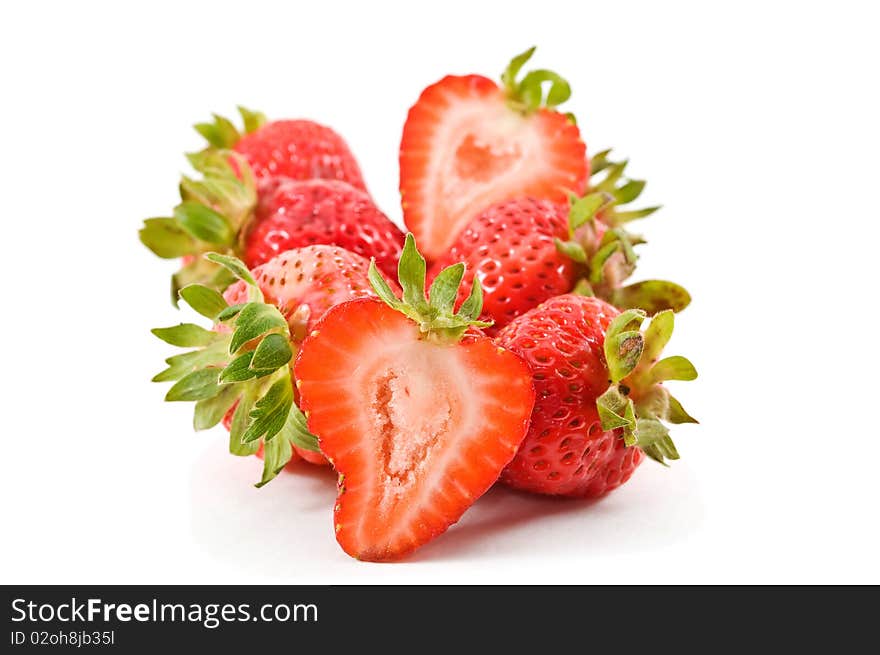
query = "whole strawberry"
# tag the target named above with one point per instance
(525, 251)
(469, 143)
(259, 324)
(586, 437)
(293, 213)
(298, 149)
(510, 247)
(231, 211)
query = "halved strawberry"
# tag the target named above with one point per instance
(418, 413)
(469, 143)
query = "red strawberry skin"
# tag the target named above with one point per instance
(464, 148)
(510, 247)
(301, 150)
(295, 213)
(418, 430)
(566, 452)
(304, 283)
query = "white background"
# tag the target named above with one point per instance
(757, 128)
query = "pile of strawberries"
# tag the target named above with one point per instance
(529, 360)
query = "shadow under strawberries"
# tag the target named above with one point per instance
(286, 527)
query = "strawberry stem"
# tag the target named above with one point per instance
(636, 401)
(434, 313)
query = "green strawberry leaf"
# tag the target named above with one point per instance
(239, 369)
(229, 313)
(584, 209)
(205, 300)
(600, 161)
(186, 335)
(657, 335)
(673, 368)
(472, 306)
(166, 238)
(612, 406)
(254, 320)
(629, 191)
(276, 453)
(640, 376)
(444, 288)
(508, 77)
(296, 430)
(203, 223)
(234, 266)
(616, 410)
(653, 438)
(272, 353)
(210, 411)
(632, 215)
(240, 420)
(411, 270)
(270, 412)
(220, 134)
(528, 94)
(198, 385)
(382, 288)
(571, 249)
(434, 317)
(253, 120)
(623, 346)
(531, 89)
(653, 296)
(676, 413)
(185, 363)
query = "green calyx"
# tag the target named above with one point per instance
(607, 262)
(636, 400)
(214, 209)
(536, 89)
(435, 313)
(222, 133)
(248, 365)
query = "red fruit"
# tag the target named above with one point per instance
(298, 149)
(303, 283)
(527, 250)
(278, 186)
(301, 150)
(418, 415)
(291, 214)
(572, 447)
(511, 248)
(240, 373)
(469, 143)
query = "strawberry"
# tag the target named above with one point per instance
(469, 143)
(298, 149)
(293, 213)
(418, 412)
(586, 437)
(510, 249)
(232, 211)
(525, 251)
(259, 323)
